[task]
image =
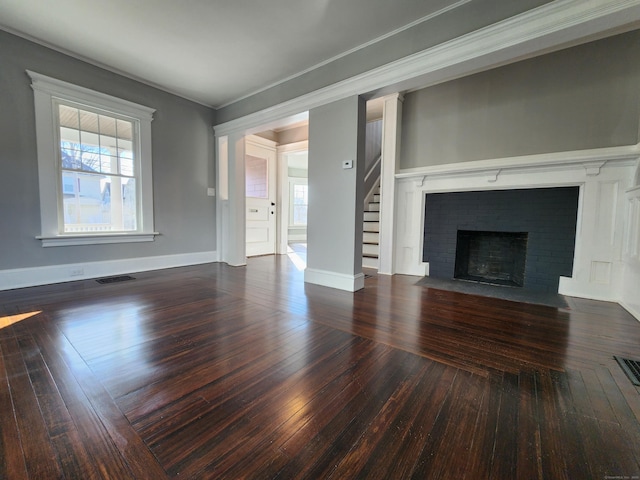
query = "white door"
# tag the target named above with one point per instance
(260, 178)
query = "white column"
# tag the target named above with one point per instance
(231, 225)
(391, 129)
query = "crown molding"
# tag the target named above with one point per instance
(538, 30)
(426, 18)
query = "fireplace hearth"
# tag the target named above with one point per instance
(496, 258)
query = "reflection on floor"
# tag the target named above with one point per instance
(515, 294)
(214, 371)
(297, 253)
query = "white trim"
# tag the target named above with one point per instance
(301, 146)
(69, 91)
(300, 237)
(390, 154)
(293, 181)
(235, 233)
(341, 281)
(261, 141)
(370, 172)
(567, 287)
(527, 34)
(283, 192)
(47, 91)
(601, 174)
(70, 240)
(497, 166)
(29, 277)
(631, 310)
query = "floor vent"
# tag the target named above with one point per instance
(121, 278)
(631, 368)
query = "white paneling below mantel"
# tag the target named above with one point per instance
(603, 175)
(631, 250)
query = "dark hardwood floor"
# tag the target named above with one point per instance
(220, 372)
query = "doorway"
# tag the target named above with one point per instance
(260, 191)
(293, 172)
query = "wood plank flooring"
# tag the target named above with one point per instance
(213, 371)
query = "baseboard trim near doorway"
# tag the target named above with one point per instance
(341, 281)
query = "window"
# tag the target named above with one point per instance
(298, 201)
(256, 177)
(94, 165)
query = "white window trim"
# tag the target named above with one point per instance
(45, 90)
(293, 181)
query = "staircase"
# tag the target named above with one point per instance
(371, 231)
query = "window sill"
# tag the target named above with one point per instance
(71, 240)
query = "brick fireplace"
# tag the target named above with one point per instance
(523, 237)
(604, 226)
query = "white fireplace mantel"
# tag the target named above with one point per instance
(591, 160)
(603, 176)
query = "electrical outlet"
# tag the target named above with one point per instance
(76, 272)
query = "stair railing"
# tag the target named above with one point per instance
(372, 179)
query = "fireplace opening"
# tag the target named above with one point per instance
(497, 258)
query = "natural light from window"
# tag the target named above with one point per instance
(297, 260)
(300, 204)
(94, 165)
(13, 319)
(97, 171)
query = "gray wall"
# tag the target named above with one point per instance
(334, 222)
(579, 98)
(182, 162)
(462, 20)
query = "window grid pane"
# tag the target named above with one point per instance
(87, 138)
(97, 172)
(300, 204)
(98, 203)
(256, 177)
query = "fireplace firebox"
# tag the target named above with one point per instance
(497, 258)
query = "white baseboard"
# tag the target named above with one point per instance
(572, 288)
(299, 237)
(341, 281)
(29, 277)
(633, 311)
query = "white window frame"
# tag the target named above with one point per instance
(293, 181)
(46, 90)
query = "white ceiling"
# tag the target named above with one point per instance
(210, 51)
